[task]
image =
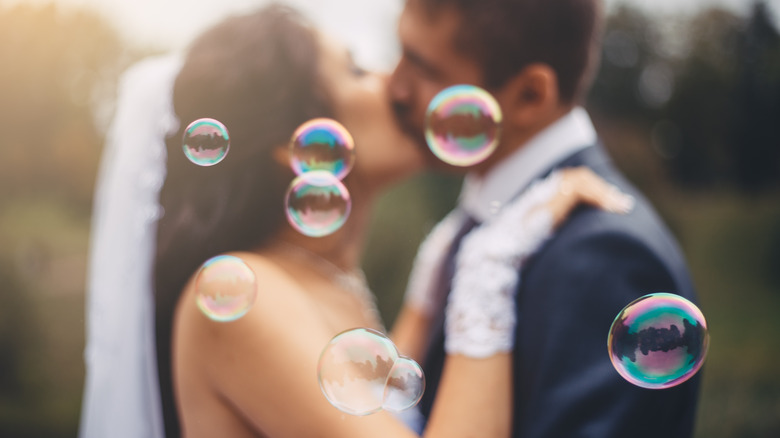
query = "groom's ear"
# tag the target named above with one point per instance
(531, 97)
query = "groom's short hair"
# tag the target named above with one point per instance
(504, 36)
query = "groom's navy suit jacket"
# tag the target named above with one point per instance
(569, 294)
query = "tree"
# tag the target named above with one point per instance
(755, 147)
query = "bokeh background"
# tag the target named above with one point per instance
(687, 100)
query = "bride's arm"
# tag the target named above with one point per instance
(410, 332)
(474, 398)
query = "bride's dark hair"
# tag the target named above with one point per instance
(257, 74)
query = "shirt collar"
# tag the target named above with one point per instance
(483, 197)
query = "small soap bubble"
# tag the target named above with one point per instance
(353, 370)
(317, 203)
(405, 385)
(322, 144)
(206, 142)
(463, 125)
(226, 288)
(658, 341)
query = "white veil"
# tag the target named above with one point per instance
(121, 393)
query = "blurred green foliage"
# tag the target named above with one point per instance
(708, 89)
(688, 106)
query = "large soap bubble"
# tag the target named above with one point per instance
(658, 341)
(463, 125)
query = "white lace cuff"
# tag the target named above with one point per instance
(481, 316)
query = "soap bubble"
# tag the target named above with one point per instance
(405, 385)
(225, 288)
(206, 142)
(317, 203)
(658, 341)
(463, 125)
(360, 372)
(322, 144)
(353, 369)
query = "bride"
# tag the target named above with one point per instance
(263, 75)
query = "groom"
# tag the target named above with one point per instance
(537, 58)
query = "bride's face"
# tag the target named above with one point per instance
(384, 154)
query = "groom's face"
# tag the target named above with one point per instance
(429, 63)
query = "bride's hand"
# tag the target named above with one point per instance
(580, 185)
(523, 224)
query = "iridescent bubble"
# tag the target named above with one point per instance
(463, 125)
(225, 288)
(405, 385)
(353, 369)
(322, 144)
(206, 142)
(658, 341)
(317, 203)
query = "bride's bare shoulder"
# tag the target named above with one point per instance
(279, 300)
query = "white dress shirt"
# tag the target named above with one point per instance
(483, 196)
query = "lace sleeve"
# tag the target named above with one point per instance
(480, 316)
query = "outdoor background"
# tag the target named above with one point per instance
(687, 101)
